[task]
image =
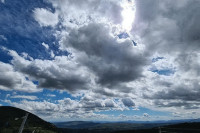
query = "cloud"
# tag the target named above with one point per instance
(180, 93)
(12, 80)
(161, 72)
(169, 29)
(24, 97)
(83, 109)
(45, 17)
(109, 103)
(81, 13)
(60, 73)
(146, 115)
(113, 62)
(179, 90)
(3, 1)
(178, 104)
(167, 25)
(52, 54)
(51, 95)
(180, 96)
(45, 45)
(3, 37)
(103, 62)
(128, 102)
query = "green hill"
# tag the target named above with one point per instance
(11, 119)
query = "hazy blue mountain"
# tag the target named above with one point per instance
(76, 124)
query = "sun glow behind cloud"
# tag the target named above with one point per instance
(128, 14)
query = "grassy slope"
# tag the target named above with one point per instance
(11, 119)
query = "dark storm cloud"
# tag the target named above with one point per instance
(111, 61)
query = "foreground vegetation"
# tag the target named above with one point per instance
(11, 119)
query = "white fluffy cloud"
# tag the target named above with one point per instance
(83, 109)
(45, 17)
(81, 13)
(45, 45)
(146, 115)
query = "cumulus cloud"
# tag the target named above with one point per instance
(146, 115)
(97, 61)
(168, 25)
(184, 96)
(112, 61)
(12, 80)
(166, 30)
(45, 17)
(82, 109)
(81, 13)
(61, 73)
(128, 102)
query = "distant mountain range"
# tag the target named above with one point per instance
(108, 126)
(76, 124)
(192, 125)
(131, 124)
(94, 127)
(11, 119)
(163, 121)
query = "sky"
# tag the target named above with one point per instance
(101, 60)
